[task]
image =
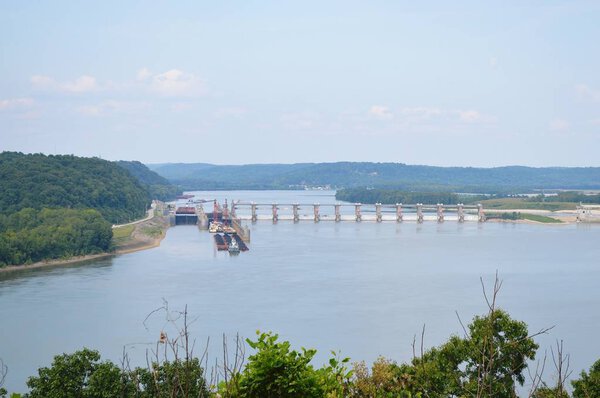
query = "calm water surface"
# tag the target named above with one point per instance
(365, 289)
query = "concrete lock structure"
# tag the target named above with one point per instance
(316, 210)
(357, 214)
(398, 212)
(440, 212)
(419, 213)
(461, 213)
(275, 216)
(378, 216)
(295, 207)
(338, 216)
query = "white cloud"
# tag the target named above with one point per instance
(421, 112)
(90, 110)
(15, 103)
(172, 83)
(41, 81)
(470, 116)
(175, 83)
(587, 92)
(380, 112)
(300, 120)
(493, 62)
(559, 125)
(181, 106)
(82, 84)
(112, 106)
(143, 74)
(233, 112)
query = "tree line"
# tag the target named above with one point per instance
(569, 196)
(387, 196)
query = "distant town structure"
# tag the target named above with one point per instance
(588, 213)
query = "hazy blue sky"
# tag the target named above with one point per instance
(445, 83)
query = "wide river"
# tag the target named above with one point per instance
(362, 288)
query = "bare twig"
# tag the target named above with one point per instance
(561, 363)
(536, 378)
(3, 372)
(462, 324)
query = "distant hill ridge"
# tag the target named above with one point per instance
(158, 187)
(193, 176)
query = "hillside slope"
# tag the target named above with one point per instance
(64, 181)
(157, 186)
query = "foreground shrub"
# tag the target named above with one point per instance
(80, 374)
(83, 375)
(276, 370)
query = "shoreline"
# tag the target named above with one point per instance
(79, 259)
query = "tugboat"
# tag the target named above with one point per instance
(233, 247)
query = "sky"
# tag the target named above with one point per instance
(444, 83)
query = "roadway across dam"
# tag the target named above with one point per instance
(315, 212)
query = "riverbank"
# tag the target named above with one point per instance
(141, 235)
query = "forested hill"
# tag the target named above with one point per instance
(378, 175)
(158, 187)
(64, 181)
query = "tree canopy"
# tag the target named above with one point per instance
(38, 181)
(31, 235)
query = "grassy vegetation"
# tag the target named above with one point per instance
(123, 232)
(539, 218)
(522, 203)
(154, 231)
(523, 216)
(122, 235)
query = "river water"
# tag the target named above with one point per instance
(362, 288)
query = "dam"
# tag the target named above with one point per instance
(314, 212)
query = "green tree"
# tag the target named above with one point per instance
(549, 392)
(79, 375)
(588, 386)
(497, 352)
(488, 362)
(172, 379)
